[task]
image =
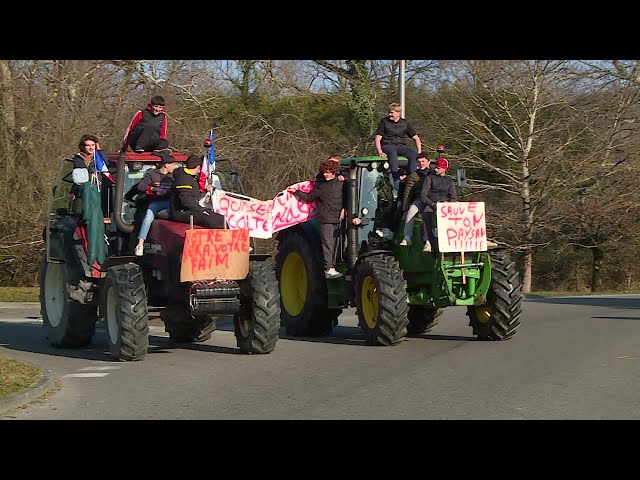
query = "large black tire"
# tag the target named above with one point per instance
(422, 319)
(256, 328)
(67, 322)
(499, 317)
(184, 328)
(303, 287)
(126, 312)
(382, 300)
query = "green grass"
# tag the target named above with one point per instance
(19, 294)
(16, 375)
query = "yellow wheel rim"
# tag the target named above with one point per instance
(484, 313)
(293, 284)
(369, 299)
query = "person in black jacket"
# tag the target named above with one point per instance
(185, 196)
(156, 184)
(331, 203)
(437, 187)
(390, 140)
(147, 131)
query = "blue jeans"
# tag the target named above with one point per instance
(152, 210)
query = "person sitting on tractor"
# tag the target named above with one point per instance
(411, 201)
(185, 196)
(437, 187)
(147, 131)
(157, 185)
(331, 207)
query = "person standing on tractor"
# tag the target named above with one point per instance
(438, 187)
(147, 131)
(331, 207)
(390, 142)
(411, 200)
(86, 159)
(157, 185)
(185, 196)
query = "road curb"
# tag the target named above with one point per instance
(29, 394)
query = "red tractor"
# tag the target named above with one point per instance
(76, 290)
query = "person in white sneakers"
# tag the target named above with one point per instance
(331, 206)
(411, 201)
(157, 185)
(437, 187)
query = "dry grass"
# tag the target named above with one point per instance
(16, 375)
(19, 294)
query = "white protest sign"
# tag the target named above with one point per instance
(461, 227)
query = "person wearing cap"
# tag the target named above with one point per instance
(147, 131)
(185, 196)
(157, 185)
(438, 187)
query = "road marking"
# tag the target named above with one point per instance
(109, 367)
(84, 375)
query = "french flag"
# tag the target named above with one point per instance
(208, 162)
(101, 166)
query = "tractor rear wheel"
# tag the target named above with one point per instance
(422, 319)
(126, 312)
(303, 287)
(67, 322)
(382, 300)
(499, 317)
(256, 328)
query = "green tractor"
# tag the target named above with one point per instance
(395, 289)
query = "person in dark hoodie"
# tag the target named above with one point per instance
(331, 202)
(411, 200)
(157, 185)
(185, 196)
(147, 131)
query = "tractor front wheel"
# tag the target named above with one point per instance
(382, 300)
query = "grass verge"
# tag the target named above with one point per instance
(19, 294)
(16, 375)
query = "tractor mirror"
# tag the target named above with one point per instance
(462, 178)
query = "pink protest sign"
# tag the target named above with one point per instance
(461, 227)
(264, 217)
(288, 210)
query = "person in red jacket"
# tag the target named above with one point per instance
(147, 131)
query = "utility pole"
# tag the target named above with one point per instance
(401, 86)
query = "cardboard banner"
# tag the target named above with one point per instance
(262, 218)
(215, 254)
(461, 227)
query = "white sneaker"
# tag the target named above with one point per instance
(406, 242)
(332, 273)
(491, 244)
(427, 247)
(139, 251)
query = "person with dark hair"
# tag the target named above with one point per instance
(185, 196)
(390, 142)
(411, 201)
(437, 187)
(147, 131)
(331, 206)
(156, 184)
(84, 163)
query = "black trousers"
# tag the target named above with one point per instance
(213, 220)
(148, 140)
(329, 235)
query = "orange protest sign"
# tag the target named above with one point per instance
(209, 254)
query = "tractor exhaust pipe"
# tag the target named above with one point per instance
(119, 195)
(352, 230)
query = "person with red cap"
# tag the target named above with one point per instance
(438, 187)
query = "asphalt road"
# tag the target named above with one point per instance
(572, 358)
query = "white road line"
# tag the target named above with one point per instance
(109, 367)
(84, 375)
